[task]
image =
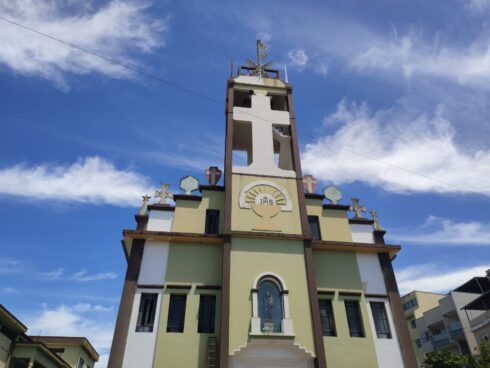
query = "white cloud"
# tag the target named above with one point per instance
(74, 321)
(91, 180)
(437, 230)
(298, 58)
(412, 55)
(386, 141)
(115, 29)
(434, 278)
(53, 275)
(11, 266)
(87, 307)
(477, 6)
(8, 290)
(322, 69)
(84, 276)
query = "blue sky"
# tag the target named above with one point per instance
(392, 100)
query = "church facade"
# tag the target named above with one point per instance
(260, 271)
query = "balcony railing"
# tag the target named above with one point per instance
(441, 339)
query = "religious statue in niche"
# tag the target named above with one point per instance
(270, 307)
(266, 199)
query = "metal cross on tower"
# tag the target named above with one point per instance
(358, 209)
(163, 194)
(259, 68)
(144, 205)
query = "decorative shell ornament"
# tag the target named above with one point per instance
(266, 199)
(213, 174)
(333, 194)
(189, 184)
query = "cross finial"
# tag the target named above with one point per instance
(376, 225)
(259, 68)
(358, 209)
(144, 205)
(163, 194)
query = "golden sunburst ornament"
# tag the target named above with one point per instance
(266, 199)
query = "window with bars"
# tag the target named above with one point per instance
(327, 318)
(354, 318)
(212, 222)
(315, 227)
(380, 320)
(207, 307)
(146, 313)
(176, 313)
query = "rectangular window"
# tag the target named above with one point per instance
(380, 320)
(327, 318)
(81, 362)
(354, 318)
(315, 227)
(413, 323)
(207, 306)
(212, 222)
(176, 313)
(146, 313)
(418, 343)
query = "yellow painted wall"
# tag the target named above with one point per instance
(38, 355)
(339, 271)
(72, 354)
(190, 216)
(4, 348)
(193, 264)
(246, 219)
(250, 258)
(334, 224)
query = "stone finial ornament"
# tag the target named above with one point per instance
(189, 184)
(357, 208)
(144, 205)
(213, 174)
(258, 67)
(163, 194)
(309, 183)
(333, 194)
(376, 225)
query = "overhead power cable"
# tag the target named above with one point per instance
(215, 101)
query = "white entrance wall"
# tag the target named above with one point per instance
(154, 263)
(140, 346)
(388, 351)
(270, 353)
(160, 220)
(362, 233)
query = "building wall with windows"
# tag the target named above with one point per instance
(284, 278)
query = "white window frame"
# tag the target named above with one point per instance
(287, 322)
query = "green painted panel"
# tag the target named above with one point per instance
(194, 264)
(343, 351)
(249, 259)
(337, 270)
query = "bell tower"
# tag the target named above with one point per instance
(266, 227)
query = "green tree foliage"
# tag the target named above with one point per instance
(447, 359)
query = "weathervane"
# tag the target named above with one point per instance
(376, 225)
(144, 205)
(357, 208)
(259, 68)
(163, 194)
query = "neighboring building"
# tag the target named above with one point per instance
(414, 305)
(18, 350)
(257, 272)
(457, 323)
(479, 309)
